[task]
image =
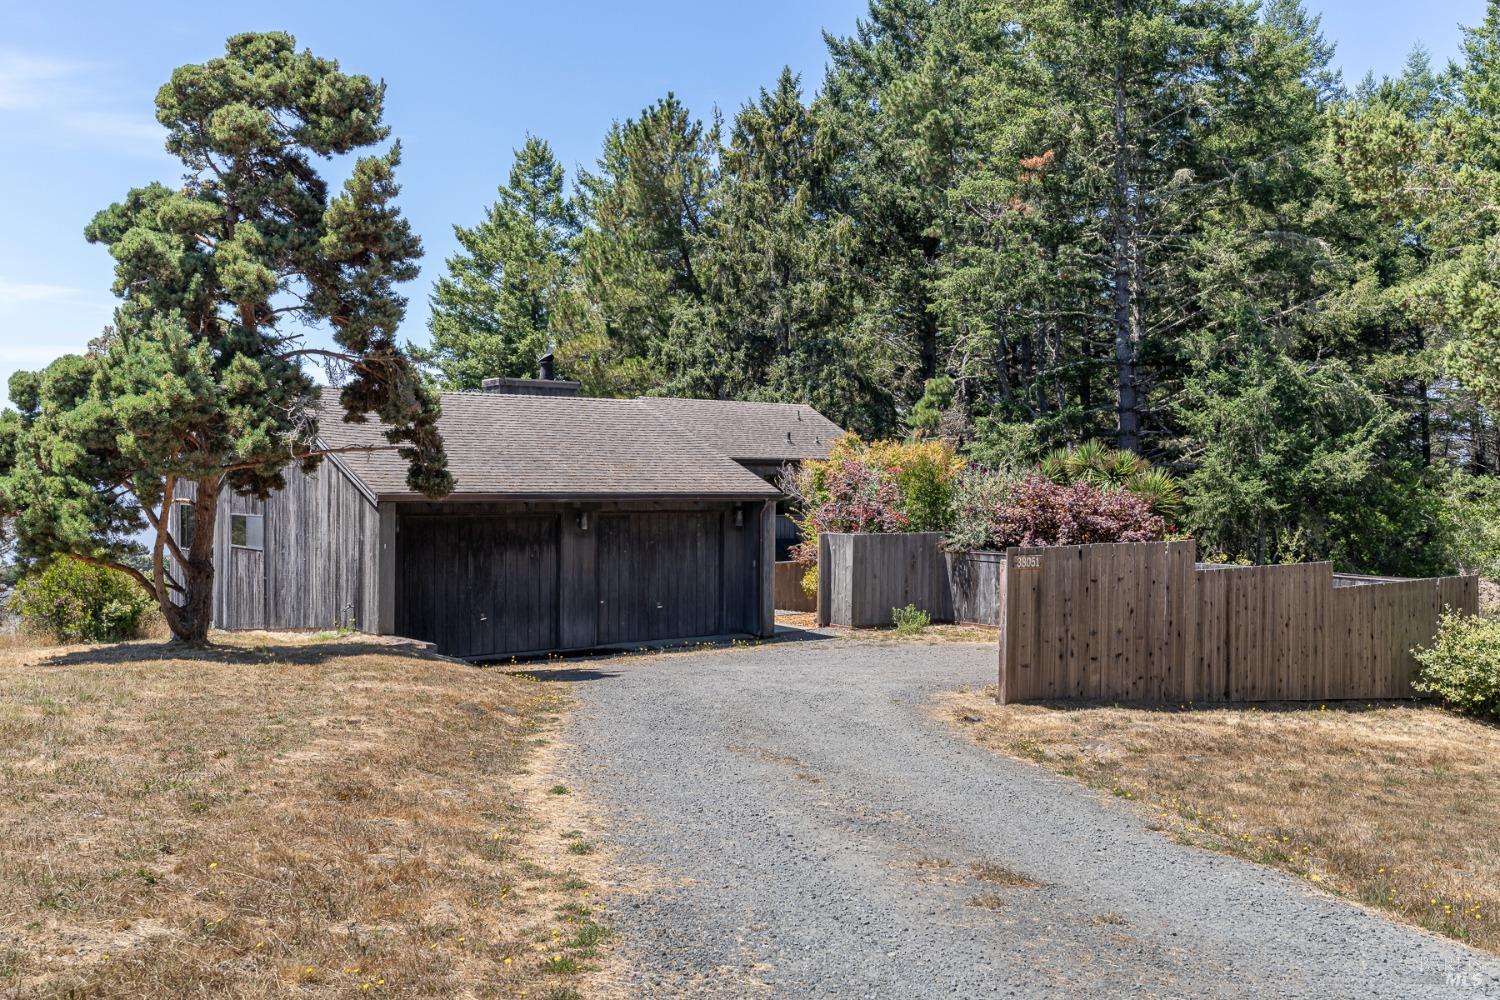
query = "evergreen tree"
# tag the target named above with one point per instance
(646, 206)
(890, 98)
(492, 313)
(774, 322)
(1029, 224)
(201, 383)
(1423, 155)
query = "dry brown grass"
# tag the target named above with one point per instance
(279, 816)
(995, 874)
(1394, 805)
(938, 633)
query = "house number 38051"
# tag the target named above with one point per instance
(1028, 562)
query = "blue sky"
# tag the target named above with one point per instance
(466, 83)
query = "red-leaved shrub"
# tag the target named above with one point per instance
(858, 497)
(1038, 511)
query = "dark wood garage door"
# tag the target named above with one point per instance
(479, 585)
(659, 575)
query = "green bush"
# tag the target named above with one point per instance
(1463, 666)
(977, 494)
(910, 620)
(73, 601)
(810, 582)
(1111, 469)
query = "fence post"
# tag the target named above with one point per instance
(824, 603)
(1002, 689)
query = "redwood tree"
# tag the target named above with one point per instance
(202, 383)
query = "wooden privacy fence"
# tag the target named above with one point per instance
(862, 577)
(1144, 622)
(789, 595)
(976, 587)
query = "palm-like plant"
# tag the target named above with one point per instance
(1109, 468)
(1161, 489)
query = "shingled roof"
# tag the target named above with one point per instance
(751, 432)
(548, 447)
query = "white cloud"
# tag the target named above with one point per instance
(31, 83)
(13, 293)
(40, 321)
(73, 102)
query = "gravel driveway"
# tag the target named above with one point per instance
(805, 827)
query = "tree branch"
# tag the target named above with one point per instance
(129, 571)
(351, 360)
(162, 534)
(314, 453)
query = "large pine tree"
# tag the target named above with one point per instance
(775, 320)
(202, 383)
(1033, 223)
(890, 99)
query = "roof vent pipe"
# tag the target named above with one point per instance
(545, 369)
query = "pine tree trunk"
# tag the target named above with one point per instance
(1425, 420)
(1128, 435)
(190, 619)
(1424, 407)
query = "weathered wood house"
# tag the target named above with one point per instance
(576, 523)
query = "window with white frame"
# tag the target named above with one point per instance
(187, 516)
(247, 531)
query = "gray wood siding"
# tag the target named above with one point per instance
(659, 576)
(239, 573)
(861, 578)
(740, 597)
(578, 600)
(322, 553)
(976, 586)
(633, 571)
(319, 565)
(789, 593)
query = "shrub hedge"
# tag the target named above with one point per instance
(73, 601)
(1462, 667)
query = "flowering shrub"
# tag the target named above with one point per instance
(883, 487)
(1038, 511)
(860, 498)
(852, 497)
(893, 486)
(1110, 469)
(925, 473)
(977, 494)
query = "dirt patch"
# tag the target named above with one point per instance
(996, 874)
(799, 769)
(321, 814)
(1394, 805)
